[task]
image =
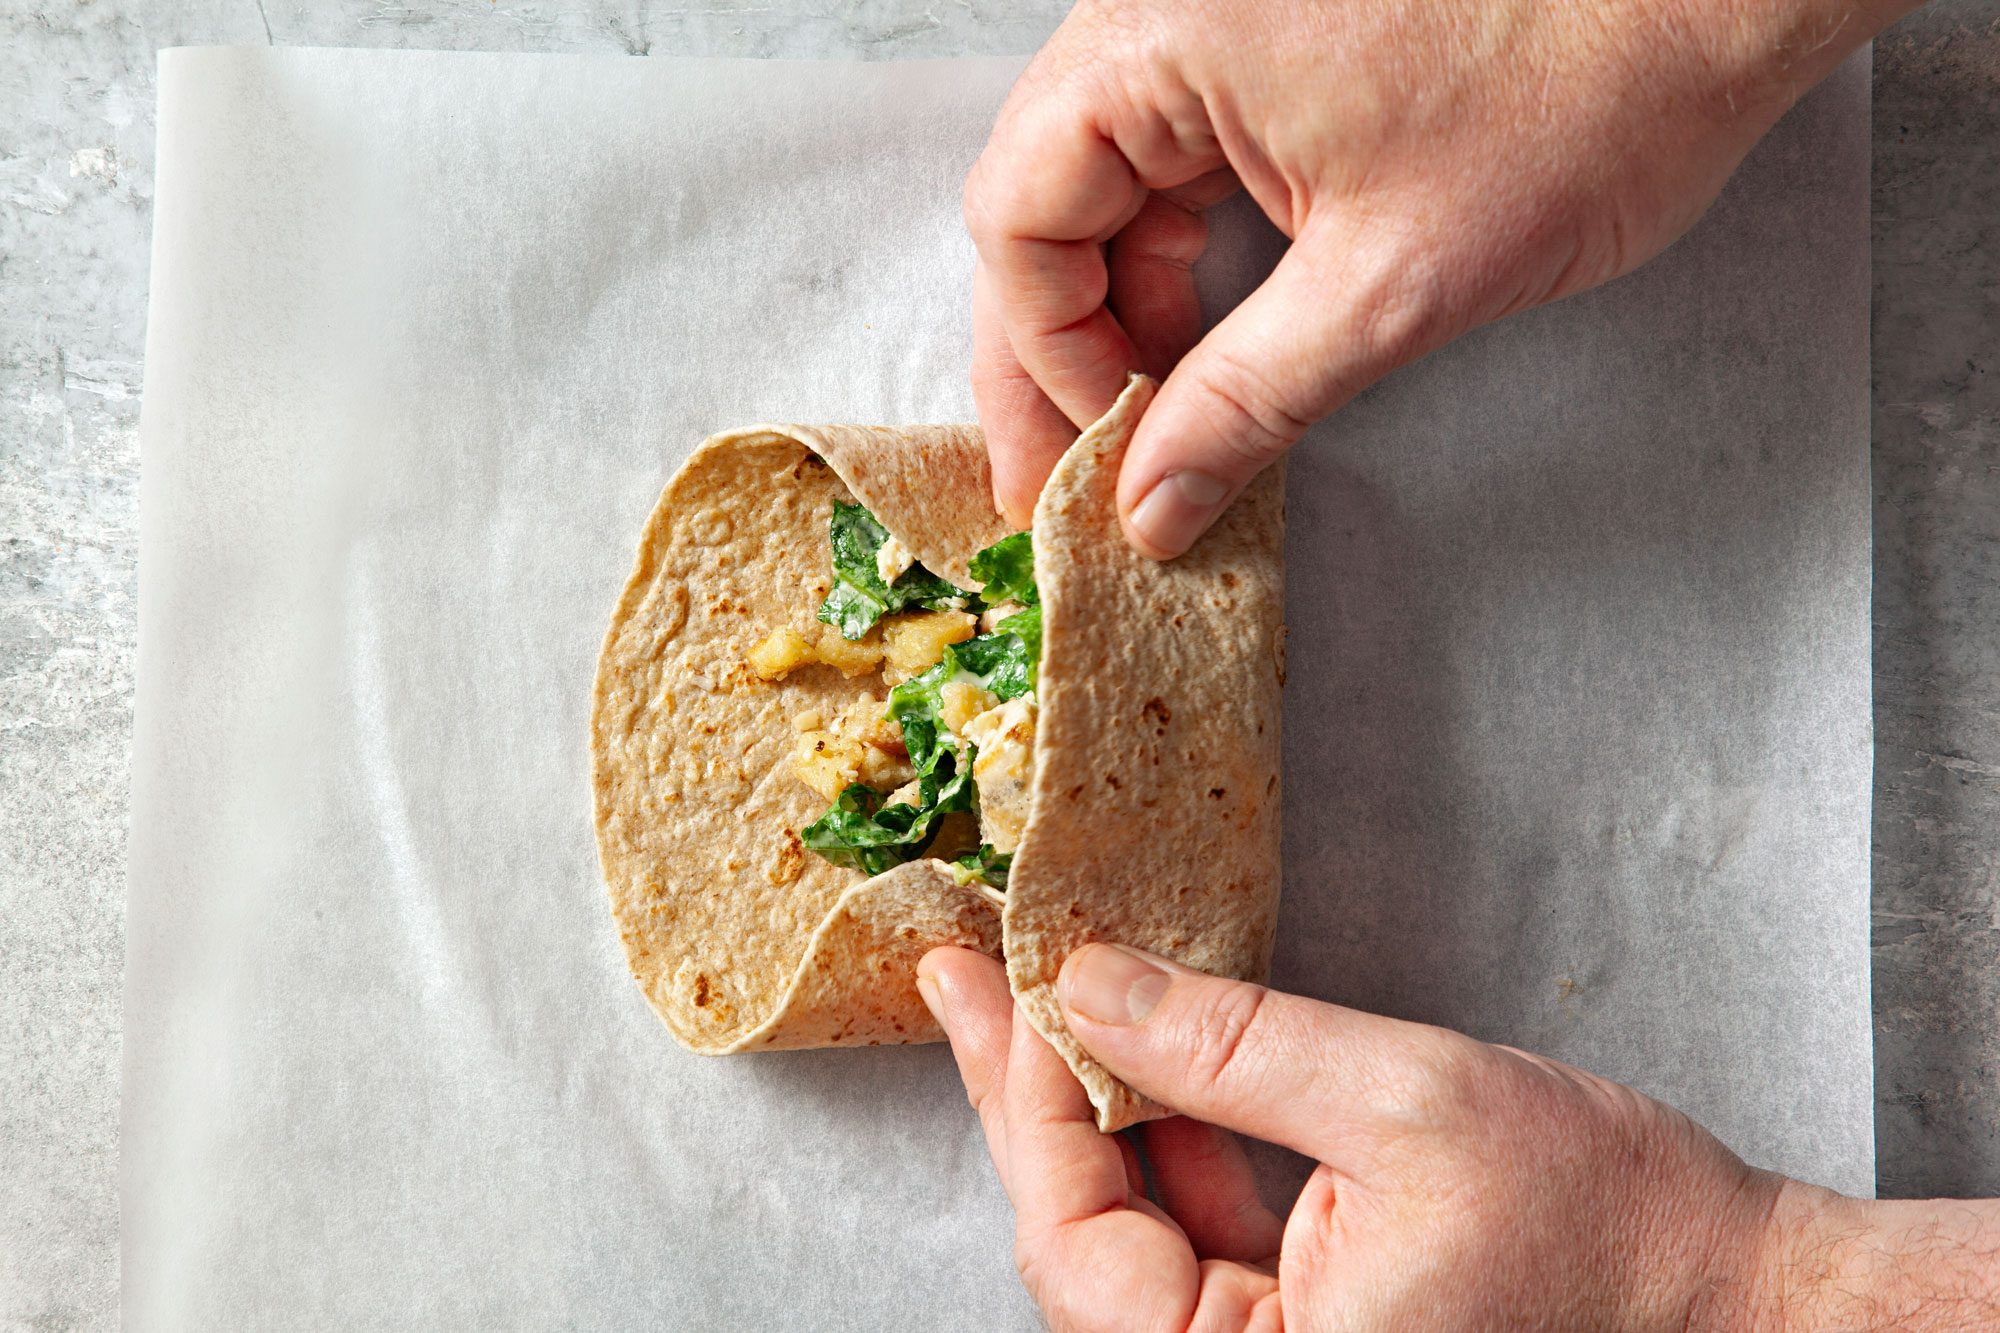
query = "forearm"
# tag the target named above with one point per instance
(1763, 55)
(1807, 39)
(1835, 1262)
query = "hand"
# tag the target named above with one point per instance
(1437, 165)
(1460, 1185)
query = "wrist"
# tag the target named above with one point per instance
(1803, 41)
(1741, 1273)
(1763, 55)
(1828, 1261)
(1799, 1257)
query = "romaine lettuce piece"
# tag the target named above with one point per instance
(859, 597)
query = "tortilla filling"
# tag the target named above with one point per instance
(942, 769)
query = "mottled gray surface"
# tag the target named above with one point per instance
(1937, 602)
(76, 97)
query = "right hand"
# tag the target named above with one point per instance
(1437, 163)
(1461, 1185)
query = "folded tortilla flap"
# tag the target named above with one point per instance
(856, 985)
(738, 935)
(928, 485)
(1155, 812)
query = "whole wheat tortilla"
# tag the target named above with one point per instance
(1154, 820)
(1154, 815)
(740, 938)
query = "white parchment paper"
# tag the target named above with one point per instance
(1577, 723)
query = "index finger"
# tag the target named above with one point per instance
(1041, 201)
(1067, 1169)
(1025, 433)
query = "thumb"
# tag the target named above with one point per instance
(1320, 1079)
(1331, 319)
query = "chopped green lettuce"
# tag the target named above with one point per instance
(862, 833)
(915, 705)
(860, 830)
(985, 864)
(1006, 569)
(1004, 660)
(859, 598)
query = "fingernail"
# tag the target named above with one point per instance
(933, 999)
(1111, 984)
(1177, 510)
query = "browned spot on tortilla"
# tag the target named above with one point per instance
(789, 862)
(700, 991)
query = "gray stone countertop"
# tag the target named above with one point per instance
(76, 159)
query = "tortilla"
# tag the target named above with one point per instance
(1153, 816)
(740, 938)
(1156, 805)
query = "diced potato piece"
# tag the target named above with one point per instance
(907, 794)
(962, 702)
(810, 720)
(866, 721)
(916, 642)
(828, 762)
(781, 651)
(857, 658)
(884, 770)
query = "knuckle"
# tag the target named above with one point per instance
(1166, 231)
(1435, 1085)
(1397, 311)
(998, 373)
(1246, 411)
(1184, 228)
(1221, 1030)
(976, 203)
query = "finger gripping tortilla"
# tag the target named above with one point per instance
(1152, 795)
(1155, 813)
